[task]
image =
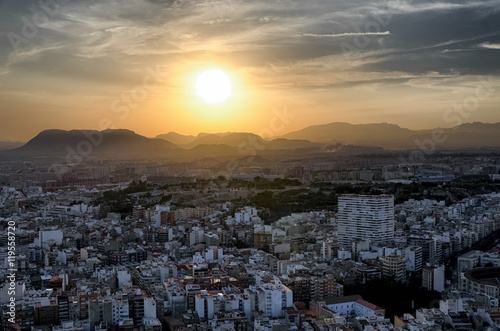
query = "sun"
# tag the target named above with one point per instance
(213, 86)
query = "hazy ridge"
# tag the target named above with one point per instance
(326, 138)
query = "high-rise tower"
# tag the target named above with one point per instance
(363, 217)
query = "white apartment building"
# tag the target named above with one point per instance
(270, 299)
(362, 217)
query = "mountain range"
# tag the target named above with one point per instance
(109, 144)
(391, 136)
(326, 138)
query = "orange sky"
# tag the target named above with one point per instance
(133, 63)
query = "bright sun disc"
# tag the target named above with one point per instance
(213, 86)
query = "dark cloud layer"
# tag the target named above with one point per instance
(420, 36)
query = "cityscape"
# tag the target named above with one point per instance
(279, 165)
(342, 239)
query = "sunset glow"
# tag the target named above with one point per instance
(218, 66)
(213, 86)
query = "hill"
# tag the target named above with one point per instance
(391, 136)
(230, 139)
(122, 144)
(176, 138)
(347, 133)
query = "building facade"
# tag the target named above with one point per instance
(362, 217)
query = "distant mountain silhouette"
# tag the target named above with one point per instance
(242, 140)
(176, 138)
(350, 133)
(210, 150)
(391, 136)
(181, 139)
(313, 141)
(110, 143)
(478, 127)
(6, 145)
(282, 143)
(234, 139)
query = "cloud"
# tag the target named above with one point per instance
(246, 33)
(347, 34)
(405, 7)
(489, 45)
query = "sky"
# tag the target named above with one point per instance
(93, 64)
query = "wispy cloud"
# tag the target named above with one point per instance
(409, 6)
(347, 34)
(489, 46)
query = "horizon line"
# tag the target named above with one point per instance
(230, 132)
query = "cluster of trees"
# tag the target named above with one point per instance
(123, 201)
(449, 191)
(276, 205)
(323, 196)
(277, 201)
(264, 184)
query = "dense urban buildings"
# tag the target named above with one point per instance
(120, 252)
